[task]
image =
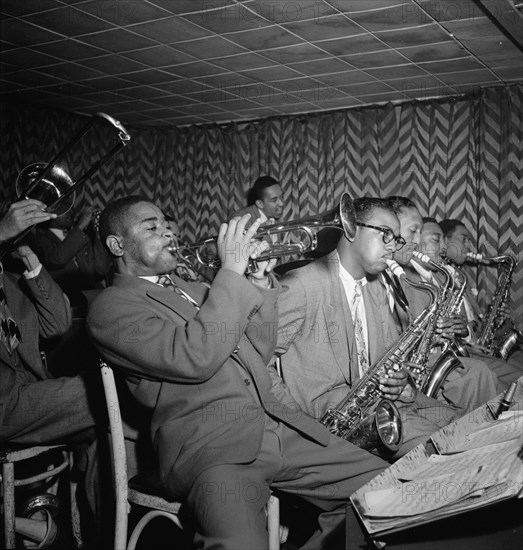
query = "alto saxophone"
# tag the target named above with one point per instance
(363, 417)
(502, 345)
(430, 378)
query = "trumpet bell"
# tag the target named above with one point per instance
(49, 189)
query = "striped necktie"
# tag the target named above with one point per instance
(9, 333)
(361, 346)
(167, 282)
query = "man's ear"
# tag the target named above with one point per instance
(259, 204)
(115, 245)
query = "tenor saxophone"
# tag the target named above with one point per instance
(499, 345)
(363, 417)
(429, 379)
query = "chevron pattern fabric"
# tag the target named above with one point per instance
(454, 158)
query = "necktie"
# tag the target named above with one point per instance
(361, 346)
(167, 282)
(9, 333)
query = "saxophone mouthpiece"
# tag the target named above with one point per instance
(394, 267)
(475, 256)
(422, 257)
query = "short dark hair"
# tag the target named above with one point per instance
(396, 202)
(364, 206)
(430, 219)
(256, 191)
(114, 216)
(448, 226)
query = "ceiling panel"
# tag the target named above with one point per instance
(178, 62)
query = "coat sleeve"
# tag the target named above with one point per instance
(56, 254)
(51, 304)
(137, 331)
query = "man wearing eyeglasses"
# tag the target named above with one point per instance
(473, 384)
(335, 322)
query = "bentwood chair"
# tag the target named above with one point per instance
(62, 463)
(145, 489)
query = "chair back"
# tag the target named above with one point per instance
(119, 457)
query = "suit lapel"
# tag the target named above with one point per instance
(339, 323)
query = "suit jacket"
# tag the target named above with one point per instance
(253, 210)
(77, 263)
(41, 310)
(316, 335)
(203, 373)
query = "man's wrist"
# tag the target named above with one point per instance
(265, 283)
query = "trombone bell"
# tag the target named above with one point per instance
(50, 188)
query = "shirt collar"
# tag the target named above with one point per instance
(347, 277)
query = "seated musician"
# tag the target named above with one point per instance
(197, 357)
(454, 243)
(336, 323)
(35, 408)
(473, 383)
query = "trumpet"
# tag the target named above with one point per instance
(343, 218)
(50, 184)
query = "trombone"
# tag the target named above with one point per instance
(50, 184)
(342, 217)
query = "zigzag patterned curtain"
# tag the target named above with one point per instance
(459, 159)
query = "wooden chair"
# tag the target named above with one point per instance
(145, 490)
(9, 456)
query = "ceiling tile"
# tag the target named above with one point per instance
(294, 53)
(33, 78)
(388, 73)
(289, 12)
(69, 89)
(375, 59)
(194, 69)
(318, 95)
(229, 78)
(117, 41)
(346, 77)
(242, 62)
(296, 85)
(142, 92)
(464, 77)
(399, 15)
(425, 34)
(148, 76)
(451, 65)
(434, 52)
(21, 33)
(271, 73)
(227, 19)
(27, 58)
(336, 26)
(320, 66)
(16, 8)
(112, 64)
(70, 50)
(182, 87)
(158, 56)
(236, 104)
(169, 31)
(366, 88)
(260, 39)
(70, 71)
(212, 95)
(450, 10)
(190, 6)
(207, 48)
(123, 13)
(353, 44)
(69, 22)
(173, 101)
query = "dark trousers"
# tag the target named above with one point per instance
(228, 501)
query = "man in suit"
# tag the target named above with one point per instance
(319, 323)
(433, 243)
(264, 201)
(197, 358)
(35, 408)
(473, 384)
(73, 255)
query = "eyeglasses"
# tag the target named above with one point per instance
(388, 235)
